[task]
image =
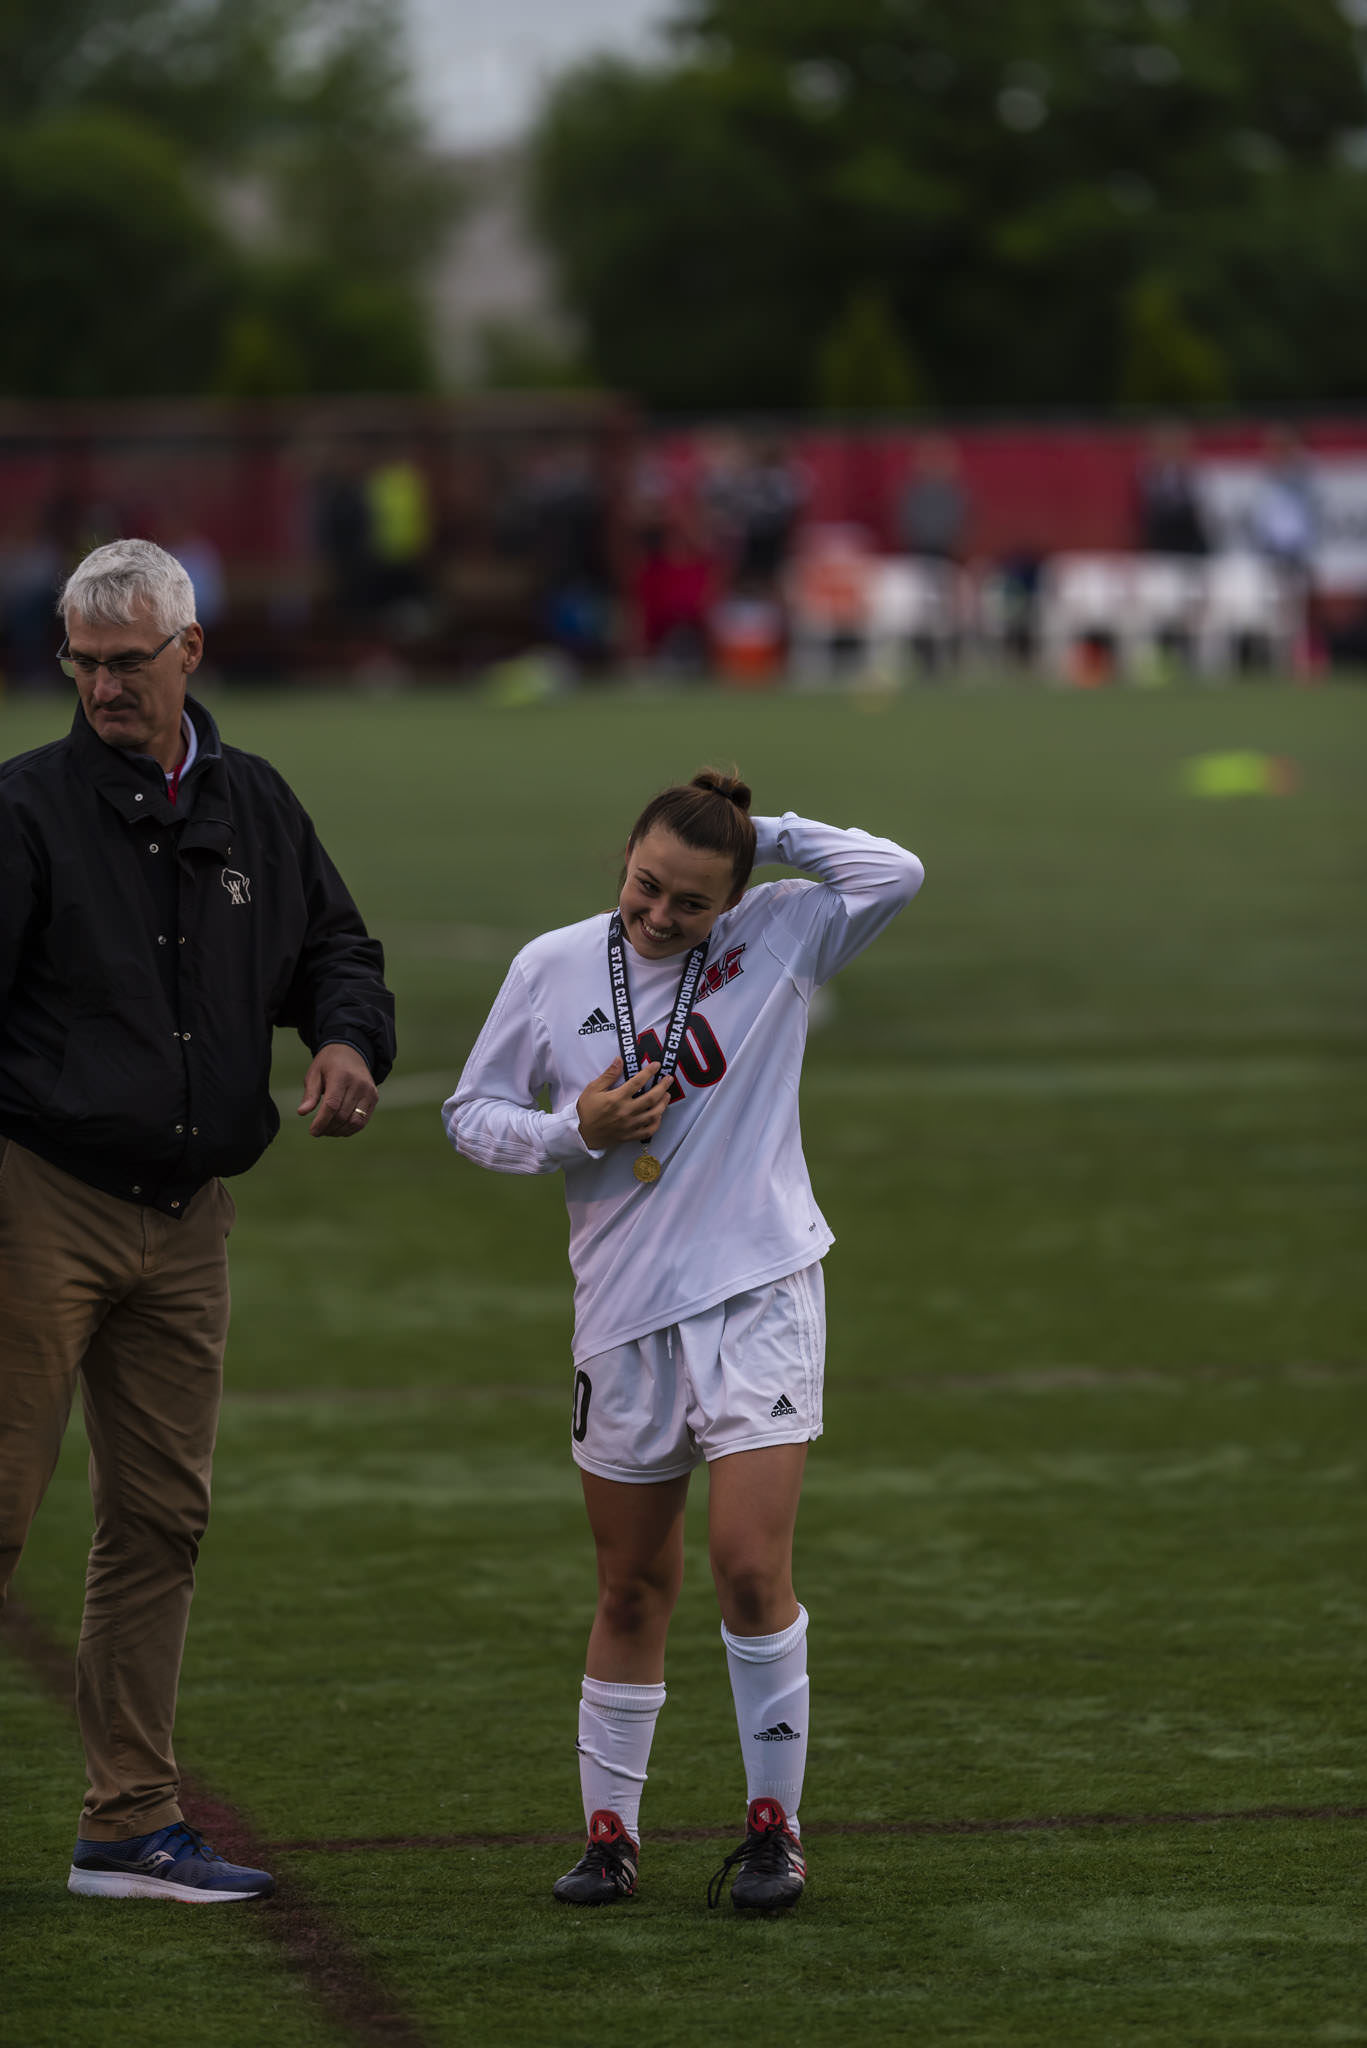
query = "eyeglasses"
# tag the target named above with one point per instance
(84, 668)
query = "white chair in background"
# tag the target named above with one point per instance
(914, 613)
(1253, 614)
(826, 595)
(1167, 608)
(1087, 609)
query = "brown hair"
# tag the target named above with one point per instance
(711, 813)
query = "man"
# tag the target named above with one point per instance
(934, 512)
(166, 903)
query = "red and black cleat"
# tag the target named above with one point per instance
(606, 1872)
(769, 1865)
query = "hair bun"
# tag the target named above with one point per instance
(729, 786)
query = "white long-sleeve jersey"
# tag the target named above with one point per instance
(733, 1208)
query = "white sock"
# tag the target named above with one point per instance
(769, 1686)
(616, 1728)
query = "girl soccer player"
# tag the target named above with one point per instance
(695, 1243)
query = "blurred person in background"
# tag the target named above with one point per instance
(30, 570)
(1010, 601)
(672, 588)
(167, 903)
(199, 557)
(759, 502)
(558, 522)
(1169, 514)
(1285, 521)
(751, 498)
(750, 503)
(696, 1246)
(401, 532)
(772, 493)
(342, 532)
(1284, 515)
(934, 509)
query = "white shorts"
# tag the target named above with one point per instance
(736, 1377)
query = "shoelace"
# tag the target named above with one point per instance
(766, 1853)
(184, 1837)
(607, 1857)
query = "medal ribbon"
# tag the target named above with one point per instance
(684, 1000)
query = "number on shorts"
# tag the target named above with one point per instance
(579, 1413)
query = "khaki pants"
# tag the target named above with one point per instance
(135, 1303)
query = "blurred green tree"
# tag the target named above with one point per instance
(117, 276)
(1051, 201)
(1165, 361)
(229, 196)
(863, 364)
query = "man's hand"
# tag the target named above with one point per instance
(339, 1087)
(609, 1113)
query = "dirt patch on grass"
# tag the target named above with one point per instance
(338, 1977)
(348, 1845)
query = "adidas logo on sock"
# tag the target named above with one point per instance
(783, 1406)
(780, 1732)
(595, 1021)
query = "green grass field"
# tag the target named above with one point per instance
(1083, 1545)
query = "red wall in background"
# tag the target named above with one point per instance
(1032, 488)
(240, 475)
(1047, 489)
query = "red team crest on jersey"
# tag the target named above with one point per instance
(720, 972)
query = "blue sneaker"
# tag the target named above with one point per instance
(173, 1863)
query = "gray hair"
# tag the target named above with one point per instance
(113, 580)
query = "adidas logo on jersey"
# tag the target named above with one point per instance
(783, 1406)
(595, 1021)
(780, 1732)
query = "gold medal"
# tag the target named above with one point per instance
(646, 1168)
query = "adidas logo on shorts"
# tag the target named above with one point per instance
(783, 1406)
(595, 1021)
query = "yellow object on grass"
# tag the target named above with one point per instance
(1240, 772)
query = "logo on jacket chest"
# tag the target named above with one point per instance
(238, 886)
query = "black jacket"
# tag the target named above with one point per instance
(147, 950)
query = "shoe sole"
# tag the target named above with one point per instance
(110, 1884)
